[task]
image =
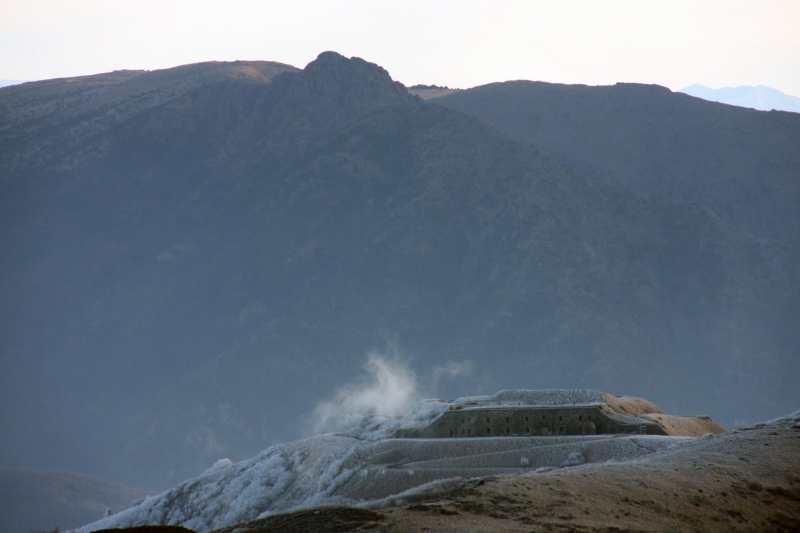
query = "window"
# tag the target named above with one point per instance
(488, 420)
(589, 417)
(469, 431)
(488, 431)
(527, 430)
(544, 417)
(508, 420)
(560, 418)
(561, 430)
(508, 431)
(580, 418)
(527, 418)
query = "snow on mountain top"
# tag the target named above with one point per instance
(513, 397)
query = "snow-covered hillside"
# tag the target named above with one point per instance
(364, 467)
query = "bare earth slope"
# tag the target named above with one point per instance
(742, 163)
(748, 480)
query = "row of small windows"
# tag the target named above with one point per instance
(468, 431)
(527, 419)
(544, 431)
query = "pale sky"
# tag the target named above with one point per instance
(460, 43)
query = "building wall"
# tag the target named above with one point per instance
(528, 420)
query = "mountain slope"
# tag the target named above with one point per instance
(741, 163)
(189, 282)
(44, 121)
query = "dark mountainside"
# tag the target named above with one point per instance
(743, 164)
(193, 258)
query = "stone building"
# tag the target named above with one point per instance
(555, 412)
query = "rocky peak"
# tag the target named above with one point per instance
(353, 82)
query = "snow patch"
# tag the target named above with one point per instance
(534, 397)
(573, 459)
(219, 465)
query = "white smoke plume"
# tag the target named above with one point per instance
(451, 370)
(389, 387)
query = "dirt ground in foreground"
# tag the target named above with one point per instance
(748, 480)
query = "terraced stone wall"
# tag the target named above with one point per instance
(527, 421)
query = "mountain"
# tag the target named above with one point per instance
(758, 97)
(195, 258)
(42, 500)
(742, 164)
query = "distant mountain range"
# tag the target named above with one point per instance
(194, 258)
(758, 97)
(7, 83)
(43, 500)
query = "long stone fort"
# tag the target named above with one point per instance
(555, 412)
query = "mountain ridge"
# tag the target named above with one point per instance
(740, 163)
(101, 101)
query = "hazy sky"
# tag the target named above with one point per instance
(456, 43)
